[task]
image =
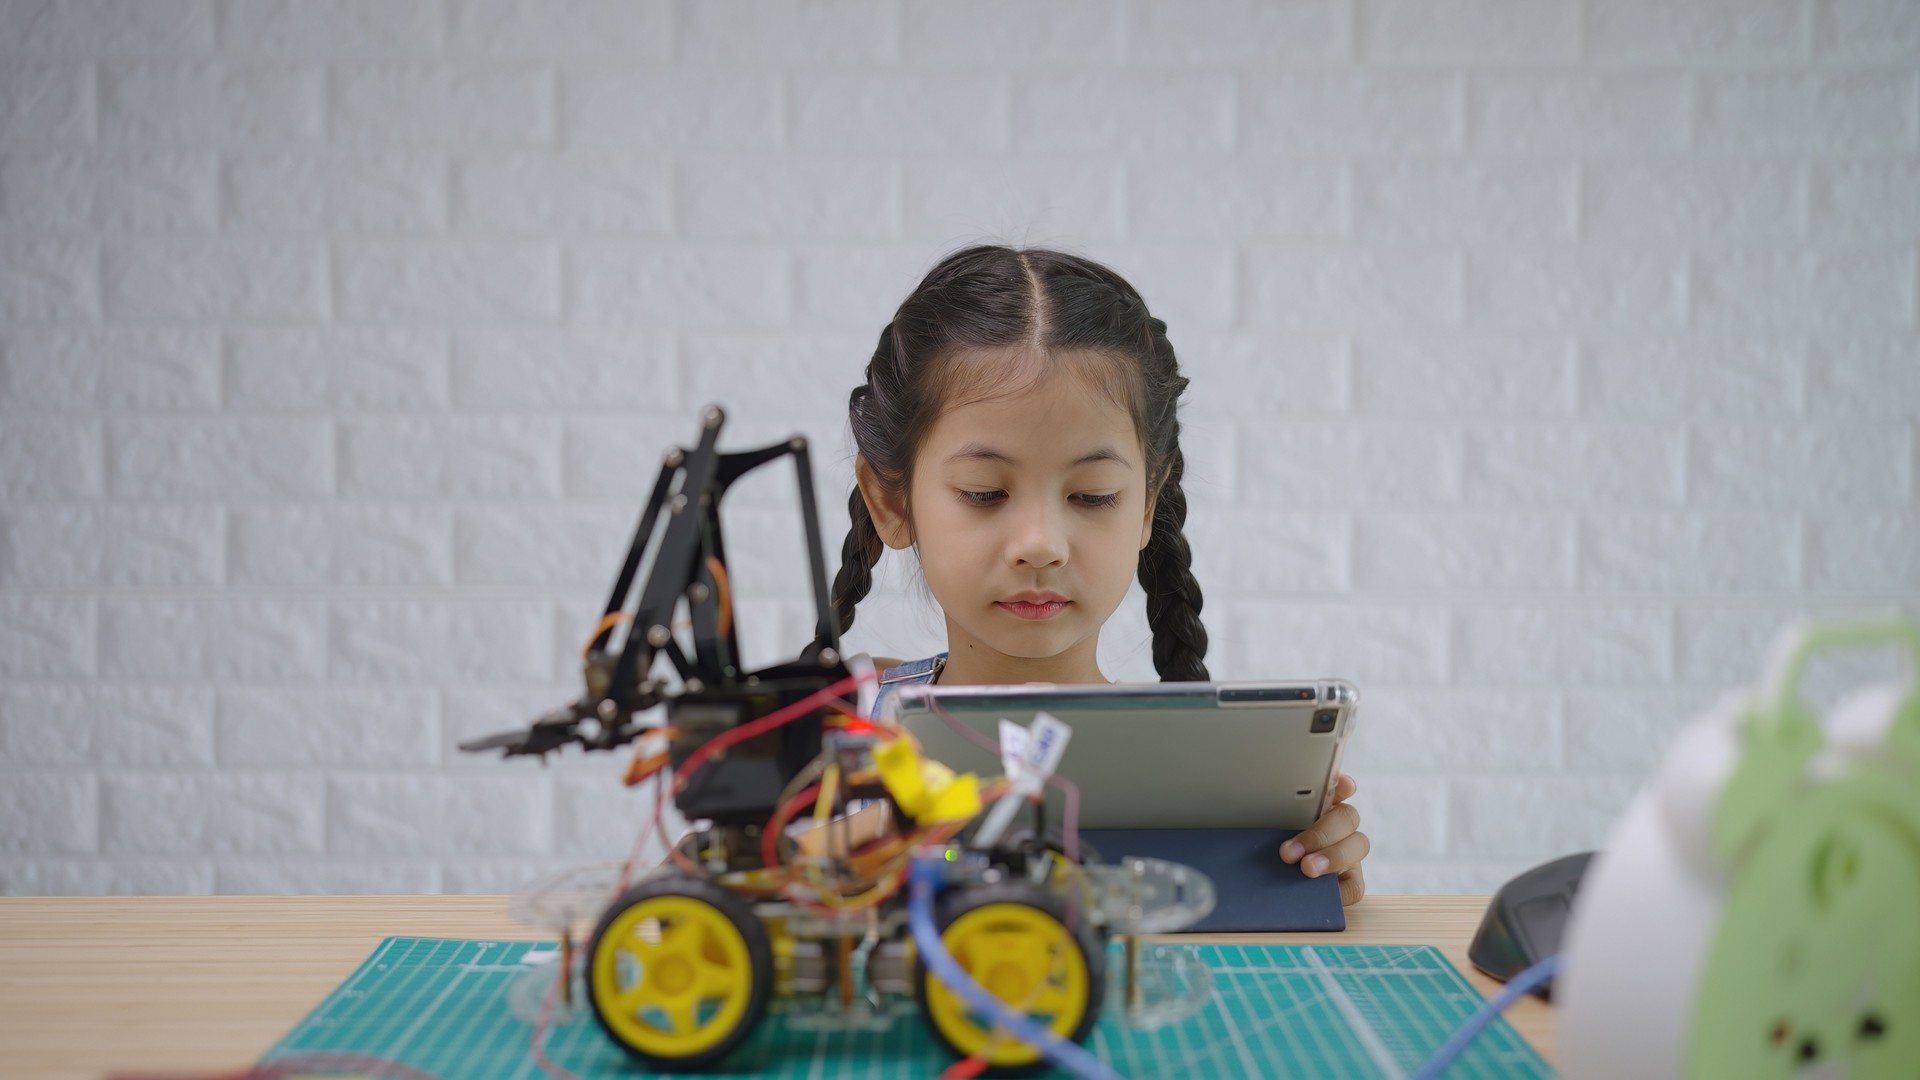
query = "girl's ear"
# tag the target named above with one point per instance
(889, 515)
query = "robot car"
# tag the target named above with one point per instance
(816, 830)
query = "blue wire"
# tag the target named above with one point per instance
(1065, 1053)
(1526, 981)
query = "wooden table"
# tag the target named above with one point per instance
(91, 985)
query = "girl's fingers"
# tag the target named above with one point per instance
(1336, 823)
(1353, 886)
(1343, 788)
(1337, 858)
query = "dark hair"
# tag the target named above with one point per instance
(1001, 297)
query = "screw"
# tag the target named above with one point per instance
(796, 443)
(713, 416)
(694, 686)
(679, 503)
(675, 457)
(658, 636)
(828, 658)
(608, 710)
(698, 592)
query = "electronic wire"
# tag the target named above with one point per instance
(1523, 983)
(547, 1065)
(1069, 1055)
(543, 1022)
(1069, 846)
(761, 726)
(1069, 828)
(368, 1065)
(1070, 816)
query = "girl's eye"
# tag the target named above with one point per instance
(988, 498)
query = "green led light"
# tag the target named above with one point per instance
(950, 855)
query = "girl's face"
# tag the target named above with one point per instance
(1030, 513)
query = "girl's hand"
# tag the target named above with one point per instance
(1334, 844)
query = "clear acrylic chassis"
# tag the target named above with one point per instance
(1159, 984)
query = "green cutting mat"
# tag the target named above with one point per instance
(1278, 1010)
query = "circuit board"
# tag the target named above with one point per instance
(441, 1005)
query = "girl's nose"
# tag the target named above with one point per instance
(1040, 536)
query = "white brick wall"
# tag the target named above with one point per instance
(1547, 356)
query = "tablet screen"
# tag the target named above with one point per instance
(1159, 755)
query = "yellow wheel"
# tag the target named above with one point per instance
(1011, 939)
(679, 971)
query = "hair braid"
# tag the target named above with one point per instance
(1174, 599)
(1173, 596)
(858, 556)
(861, 550)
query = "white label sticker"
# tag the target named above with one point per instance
(1030, 755)
(1013, 752)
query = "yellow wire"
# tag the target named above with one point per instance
(829, 787)
(885, 886)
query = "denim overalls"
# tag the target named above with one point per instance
(913, 671)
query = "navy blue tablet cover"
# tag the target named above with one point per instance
(1255, 891)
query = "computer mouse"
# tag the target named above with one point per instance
(1527, 919)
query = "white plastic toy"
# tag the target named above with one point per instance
(1756, 913)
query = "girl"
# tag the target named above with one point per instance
(1017, 429)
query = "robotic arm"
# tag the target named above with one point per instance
(689, 563)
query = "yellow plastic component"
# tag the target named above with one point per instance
(928, 791)
(1026, 958)
(681, 995)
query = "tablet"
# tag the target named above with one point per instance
(1181, 755)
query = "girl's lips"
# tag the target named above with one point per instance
(1034, 611)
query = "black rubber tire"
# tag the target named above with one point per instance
(957, 902)
(737, 911)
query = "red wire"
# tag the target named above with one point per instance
(862, 727)
(1070, 823)
(658, 827)
(547, 1065)
(770, 836)
(893, 886)
(626, 873)
(633, 856)
(761, 726)
(280, 1068)
(660, 818)
(965, 1069)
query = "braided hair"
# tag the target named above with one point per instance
(993, 296)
